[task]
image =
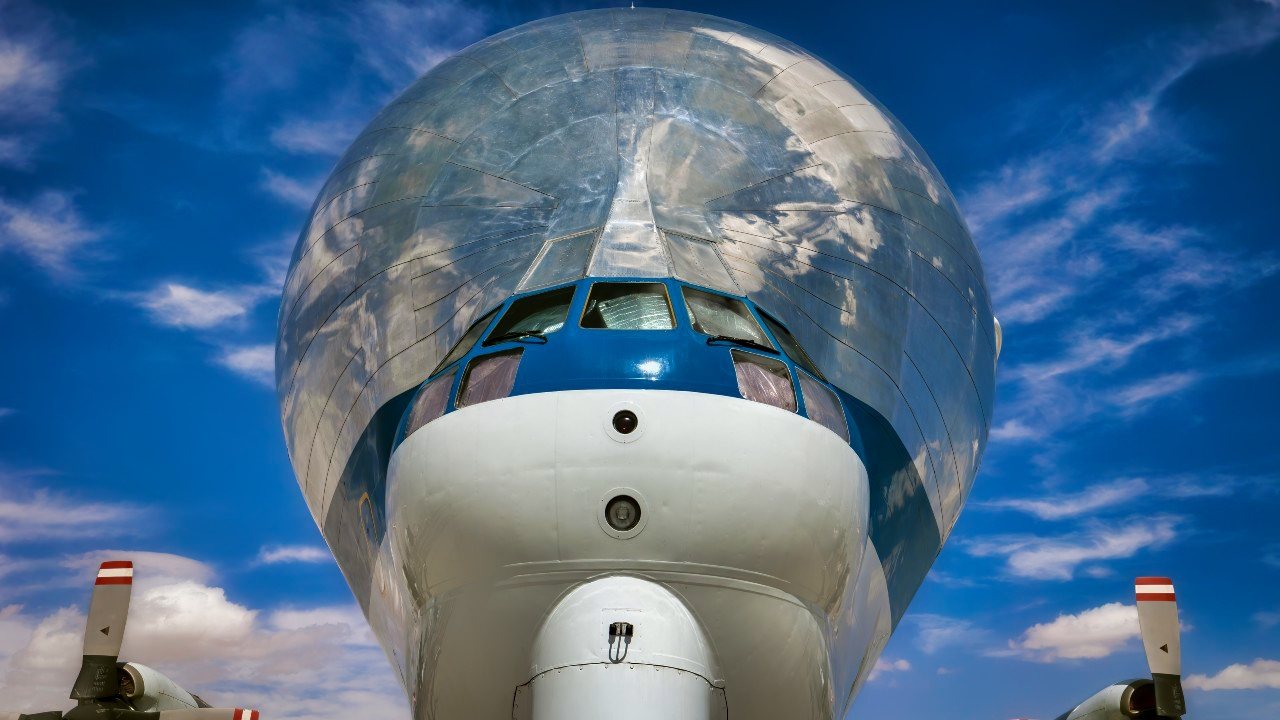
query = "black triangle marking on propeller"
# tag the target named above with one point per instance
(1165, 647)
(106, 630)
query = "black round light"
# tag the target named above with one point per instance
(625, 422)
(622, 513)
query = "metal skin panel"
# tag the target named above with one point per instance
(638, 143)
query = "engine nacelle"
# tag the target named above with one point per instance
(1122, 701)
(149, 691)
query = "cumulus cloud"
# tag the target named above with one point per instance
(1090, 634)
(253, 362)
(1257, 675)
(884, 666)
(1059, 557)
(47, 230)
(277, 554)
(229, 653)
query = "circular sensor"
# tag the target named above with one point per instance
(622, 513)
(625, 422)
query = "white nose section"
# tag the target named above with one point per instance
(622, 648)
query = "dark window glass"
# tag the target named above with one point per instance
(823, 406)
(490, 377)
(720, 316)
(535, 315)
(628, 306)
(764, 380)
(466, 342)
(791, 346)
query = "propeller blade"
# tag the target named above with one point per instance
(53, 715)
(210, 714)
(1162, 640)
(104, 631)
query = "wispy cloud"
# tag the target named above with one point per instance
(30, 515)
(254, 362)
(1064, 240)
(271, 58)
(1059, 557)
(1256, 675)
(1123, 492)
(48, 230)
(6, 412)
(1069, 505)
(1090, 634)
(290, 190)
(306, 136)
(277, 554)
(181, 306)
(413, 36)
(939, 632)
(32, 73)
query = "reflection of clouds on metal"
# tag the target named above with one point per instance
(639, 143)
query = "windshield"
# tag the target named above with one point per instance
(791, 346)
(628, 306)
(720, 316)
(467, 340)
(534, 315)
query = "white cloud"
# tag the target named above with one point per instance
(254, 362)
(1068, 505)
(1257, 675)
(1059, 557)
(306, 136)
(413, 37)
(289, 190)
(1091, 634)
(32, 73)
(228, 652)
(48, 230)
(277, 554)
(884, 666)
(1267, 620)
(1135, 397)
(1059, 237)
(938, 632)
(31, 515)
(182, 306)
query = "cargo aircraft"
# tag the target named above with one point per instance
(639, 363)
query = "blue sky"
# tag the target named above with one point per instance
(1117, 162)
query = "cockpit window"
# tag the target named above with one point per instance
(533, 316)
(723, 317)
(466, 342)
(791, 346)
(628, 306)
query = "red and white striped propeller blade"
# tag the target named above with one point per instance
(104, 631)
(1162, 640)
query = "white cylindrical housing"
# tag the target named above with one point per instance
(665, 668)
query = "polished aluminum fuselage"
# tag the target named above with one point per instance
(634, 143)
